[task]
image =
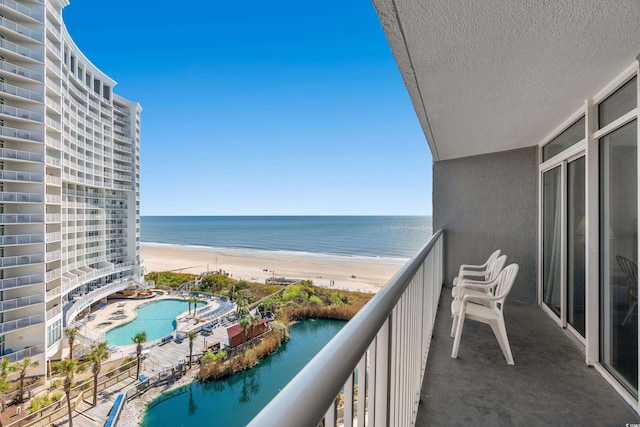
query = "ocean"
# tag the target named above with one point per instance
(395, 237)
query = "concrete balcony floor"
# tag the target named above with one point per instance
(550, 383)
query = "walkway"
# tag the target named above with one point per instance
(549, 385)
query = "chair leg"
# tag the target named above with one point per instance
(458, 335)
(500, 331)
(454, 325)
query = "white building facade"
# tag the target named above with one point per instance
(69, 181)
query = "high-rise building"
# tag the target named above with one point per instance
(69, 181)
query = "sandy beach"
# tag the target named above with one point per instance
(324, 270)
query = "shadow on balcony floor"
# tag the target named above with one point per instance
(549, 385)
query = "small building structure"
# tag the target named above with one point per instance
(237, 336)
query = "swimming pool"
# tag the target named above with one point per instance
(157, 319)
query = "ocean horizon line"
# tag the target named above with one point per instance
(243, 251)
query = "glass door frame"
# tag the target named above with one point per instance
(590, 148)
(561, 160)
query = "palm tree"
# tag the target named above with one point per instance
(71, 332)
(139, 339)
(22, 366)
(189, 302)
(68, 368)
(192, 336)
(193, 301)
(98, 353)
(245, 323)
(5, 367)
(4, 389)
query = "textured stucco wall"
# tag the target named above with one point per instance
(488, 202)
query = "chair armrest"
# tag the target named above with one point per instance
(468, 274)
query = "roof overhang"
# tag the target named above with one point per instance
(488, 76)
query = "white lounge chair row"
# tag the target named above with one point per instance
(479, 292)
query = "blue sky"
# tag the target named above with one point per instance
(262, 108)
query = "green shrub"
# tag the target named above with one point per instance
(315, 300)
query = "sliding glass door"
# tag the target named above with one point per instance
(576, 261)
(619, 254)
(563, 242)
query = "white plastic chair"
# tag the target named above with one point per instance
(476, 287)
(472, 307)
(477, 272)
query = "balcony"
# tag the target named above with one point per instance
(28, 156)
(27, 352)
(7, 175)
(22, 323)
(14, 304)
(411, 378)
(21, 29)
(21, 218)
(22, 9)
(21, 71)
(54, 311)
(20, 281)
(18, 261)
(20, 92)
(21, 197)
(21, 134)
(20, 50)
(549, 371)
(21, 239)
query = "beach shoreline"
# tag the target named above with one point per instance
(354, 273)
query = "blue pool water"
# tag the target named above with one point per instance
(235, 400)
(157, 319)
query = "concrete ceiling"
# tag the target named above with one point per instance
(495, 75)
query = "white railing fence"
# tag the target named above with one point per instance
(377, 360)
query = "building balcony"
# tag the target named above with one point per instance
(25, 322)
(392, 366)
(21, 281)
(16, 303)
(21, 29)
(550, 374)
(21, 260)
(24, 10)
(20, 50)
(21, 218)
(27, 156)
(21, 113)
(30, 352)
(8, 175)
(8, 197)
(21, 71)
(21, 92)
(53, 312)
(21, 239)
(21, 134)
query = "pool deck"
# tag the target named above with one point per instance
(128, 307)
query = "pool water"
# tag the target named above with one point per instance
(157, 319)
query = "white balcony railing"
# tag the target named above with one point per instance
(20, 281)
(24, 322)
(53, 274)
(19, 133)
(21, 71)
(53, 237)
(383, 350)
(27, 352)
(21, 29)
(16, 303)
(54, 311)
(53, 293)
(16, 261)
(23, 9)
(7, 175)
(20, 50)
(7, 153)
(21, 218)
(21, 239)
(21, 92)
(20, 113)
(21, 197)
